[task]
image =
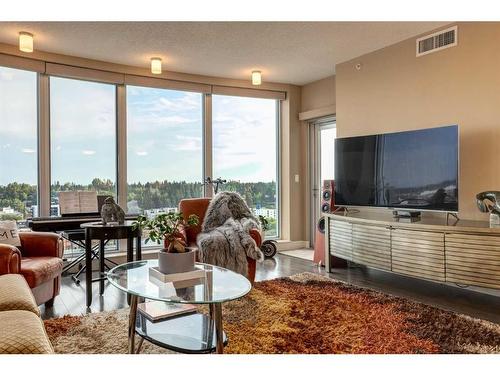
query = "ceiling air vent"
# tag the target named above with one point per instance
(437, 41)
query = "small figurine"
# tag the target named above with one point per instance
(489, 201)
(111, 212)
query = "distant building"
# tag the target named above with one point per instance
(266, 212)
(54, 210)
(9, 213)
(151, 213)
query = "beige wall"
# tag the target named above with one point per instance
(395, 90)
(318, 94)
(293, 162)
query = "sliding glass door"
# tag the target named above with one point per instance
(322, 136)
(245, 152)
(164, 149)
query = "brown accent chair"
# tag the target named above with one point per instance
(198, 206)
(39, 260)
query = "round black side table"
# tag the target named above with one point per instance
(102, 232)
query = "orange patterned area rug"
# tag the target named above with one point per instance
(305, 313)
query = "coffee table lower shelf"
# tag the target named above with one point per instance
(189, 334)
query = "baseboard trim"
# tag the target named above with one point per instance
(284, 245)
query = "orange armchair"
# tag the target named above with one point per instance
(39, 260)
(198, 207)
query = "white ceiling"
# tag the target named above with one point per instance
(287, 52)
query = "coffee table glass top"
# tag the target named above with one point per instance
(219, 284)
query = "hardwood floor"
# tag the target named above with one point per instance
(461, 300)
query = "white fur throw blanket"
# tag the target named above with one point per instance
(224, 239)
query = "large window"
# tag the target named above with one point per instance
(167, 157)
(18, 144)
(245, 152)
(82, 137)
(164, 149)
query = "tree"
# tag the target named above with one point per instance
(149, 195)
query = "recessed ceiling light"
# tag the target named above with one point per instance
(256, 77)
(25, 41)
(156, 65)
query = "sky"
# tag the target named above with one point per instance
(164, 135)
(244, 138)
(18, 126)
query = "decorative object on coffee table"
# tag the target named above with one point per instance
(111, 212)
(489, 201)
(169, 228)
(194, 274)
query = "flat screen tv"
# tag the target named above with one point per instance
(412, 170)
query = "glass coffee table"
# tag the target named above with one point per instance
(192, 333)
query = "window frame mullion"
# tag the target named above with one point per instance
(43, 97)
(207, 144)
(121, 145)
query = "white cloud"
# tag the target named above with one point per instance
(223, 117)
(28, 151)
(141, 153)
(143, 100)
(18, 109)
(187, 102)
(176, 119)
(187, 143)
(244, 138)
(88, 152)
(6, 75)
(151, 111)
(81, 110)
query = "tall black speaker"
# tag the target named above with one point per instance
(328, 196)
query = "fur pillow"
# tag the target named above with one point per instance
(223, 206)
(9, 234)
(228, 246)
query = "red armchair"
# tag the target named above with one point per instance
(39, 260)
(198, 206)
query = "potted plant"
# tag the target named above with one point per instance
(268, 247)
(175, 257)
